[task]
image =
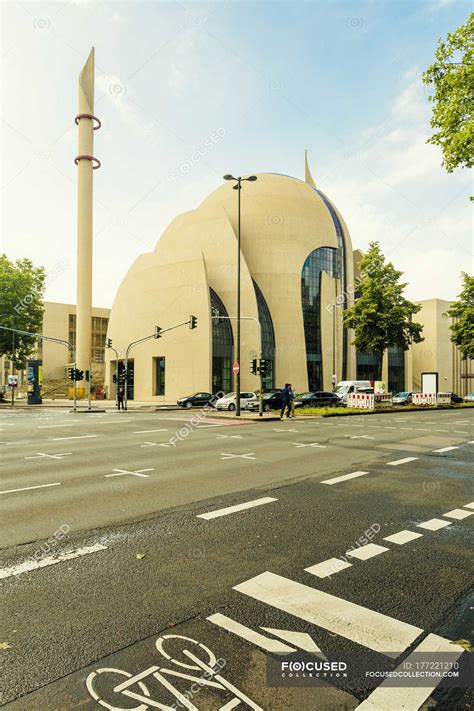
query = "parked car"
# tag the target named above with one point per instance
(469, 397)
(403, 399)
(345, 387)
(456, 398)
(317, 399)
(196, 400)
(271, 401)
(229, 401)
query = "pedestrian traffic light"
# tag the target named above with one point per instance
(130, 375)
(193, 322)
(253, 366)
(108, 343)
(263, 366)
(157, 332)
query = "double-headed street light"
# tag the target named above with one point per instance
(238, 187)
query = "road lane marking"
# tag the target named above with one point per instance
(344, 477)
(360, 624)
(402, 537)
(392, 698)
(444, 449)
(151, 444)
(359, 436)
(237, 507)
(434, 524)
(59, 455)
(402, 461)
(61, 439)
(250, 455)
(370, 550)
(458, 514)
(28, 488)
(311, 444)
(47, 427)
(284, 429)
(138, 472)
(328, 567)
(229, 436)
(298, 639)
(146, 431)
(31, 564)
(271, 645)
(469, 506)
(115, 422)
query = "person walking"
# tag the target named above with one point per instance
(120, 396)
(292, 401)
(285, 401)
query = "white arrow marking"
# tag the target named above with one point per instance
(298, 639)
(271, 645)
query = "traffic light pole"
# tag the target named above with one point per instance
(39, 336)
(249, 318)
(158, 333)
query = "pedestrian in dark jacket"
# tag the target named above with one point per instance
(285, 401)
(120, 396)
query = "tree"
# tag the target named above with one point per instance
(21, 298)
(381, 316)
(462, 311)
(452, 78)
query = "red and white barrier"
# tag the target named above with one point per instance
(362, 401)
(424, 398)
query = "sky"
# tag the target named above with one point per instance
(190, 91)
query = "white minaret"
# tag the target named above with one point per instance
(87, 123)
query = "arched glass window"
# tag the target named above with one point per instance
(222, 347)
(268, 337)
(323, 259)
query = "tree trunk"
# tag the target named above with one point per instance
(379, 366)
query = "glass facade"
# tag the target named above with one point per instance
(327, 259)
(98, 333)
(222, 347)
(268, 337)
(366, 364)
(396, 369)
(160, 370)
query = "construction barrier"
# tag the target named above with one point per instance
(424, 398)
(443, 399)
(383, 399)
(361, 401)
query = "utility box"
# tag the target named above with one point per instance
(35, 382)
(429, 383)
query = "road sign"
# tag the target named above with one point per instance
(235, 368)
(13, 381)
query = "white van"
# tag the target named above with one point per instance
(345, 387)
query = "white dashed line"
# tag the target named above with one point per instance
(434, 524)
(146, 431)
(444, 449)
(31, 564)
(469, 506)
(402, 461)
(402, 537)
(328, 567)
(61, 439)
(237, 507)
(344, 477)
(28, 488)
(368, 551)
(458, 514)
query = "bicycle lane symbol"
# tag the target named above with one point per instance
(210, 677)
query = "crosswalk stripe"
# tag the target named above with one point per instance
(368, 551)
(344, 477)
(271, 645)
(237, 507)
(402, 461)
(434, 524)
(393, 698)
(458, 514)
(469, 506)
(328, 567)
(360, 624)
(444, 449)
(402, 537)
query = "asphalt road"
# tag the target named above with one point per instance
(117, 548)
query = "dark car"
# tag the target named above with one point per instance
(270, 401)
(196, 400)
(456, 398)
(317, 399)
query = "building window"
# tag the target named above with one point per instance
(396, 369)
(222, 347)
(268, 337)
(160, 368)
(366, 365)
(323, 259)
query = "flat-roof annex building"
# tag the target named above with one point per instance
(297, 274)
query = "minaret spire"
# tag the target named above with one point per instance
(308, 178)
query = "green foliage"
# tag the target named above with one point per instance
(381, 316)
(462, 310)
(21, 306)
(451, 77)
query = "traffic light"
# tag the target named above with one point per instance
(193, 322)
(253, 366)
(108, 343)
(88, 375)
(157, 332)
(79, 374)
(70, 373)
(263, 366)
(114, 378)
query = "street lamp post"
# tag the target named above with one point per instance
(238, 186)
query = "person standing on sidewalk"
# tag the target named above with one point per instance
(120, 396)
